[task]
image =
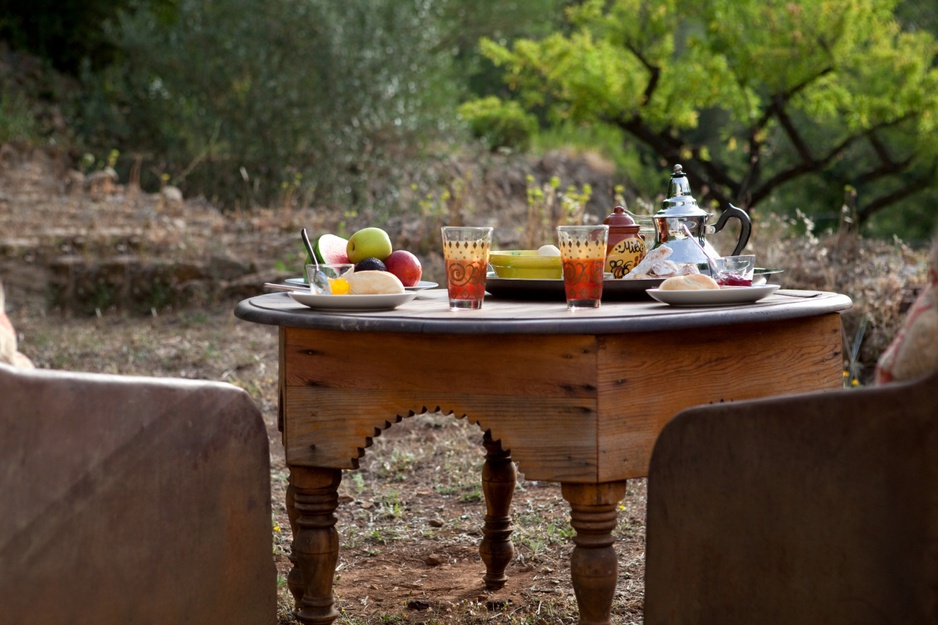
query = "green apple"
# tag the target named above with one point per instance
(369, 243)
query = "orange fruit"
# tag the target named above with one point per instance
(339, 286)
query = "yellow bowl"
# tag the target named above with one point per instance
(525, 264)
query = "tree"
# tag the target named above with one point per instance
(463, 24)
(68, 33)
(918, 15)
(322, 101)
(751, 96)
(244, 101)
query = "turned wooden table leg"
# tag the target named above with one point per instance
(294, 578)
(594, 566)
(312, 499)
(498, 485)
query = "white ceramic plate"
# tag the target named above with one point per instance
(353, 302)
(420, 286)
(725, 296)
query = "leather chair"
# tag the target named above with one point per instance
(815, 508)
(132, 500)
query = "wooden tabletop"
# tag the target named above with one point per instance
(429, 313)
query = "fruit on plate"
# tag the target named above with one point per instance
(369, 242)
(331, 250)
(339, 286)
(405, 265)
(548, 250)
(374, 283)
(370, 264)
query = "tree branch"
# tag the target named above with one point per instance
(916, 186)
(669, 148)
(805, 167)
(886, 169)
(653, 70)
(776, 108)
(889, 166)
(784, 119)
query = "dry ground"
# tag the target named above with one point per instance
(103, 278)
(410, 519)
(72, 255)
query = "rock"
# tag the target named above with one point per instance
(74, 181)
(172, 194)
(102, 180)
(434, 559)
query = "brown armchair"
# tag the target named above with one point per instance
(132, 500)
(816, 508)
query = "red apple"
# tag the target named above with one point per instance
(405, 266)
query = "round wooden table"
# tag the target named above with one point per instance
(571, 397)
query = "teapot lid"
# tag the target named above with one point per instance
(619, 217)
(680, 202)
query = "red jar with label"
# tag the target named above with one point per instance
(626, 247)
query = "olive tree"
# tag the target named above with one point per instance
(242, 100)
(753, 97)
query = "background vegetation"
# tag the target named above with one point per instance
(772, 105)
(391, 108)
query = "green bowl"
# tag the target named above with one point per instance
(525, 265)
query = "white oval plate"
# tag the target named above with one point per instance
(725, 296)
(353, 302)
(420, 286)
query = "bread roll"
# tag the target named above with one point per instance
(374, 283)
(690, 282)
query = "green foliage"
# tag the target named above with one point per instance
(612, 143)
(918, 15)
(752, 97)
(17, 122)
(464, 23)
(915, 223)
(68, 33)
(500, 124)
(277, 103)
(236, 98)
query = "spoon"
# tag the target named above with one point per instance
(318, 282)
(273, 286)
(696, 242)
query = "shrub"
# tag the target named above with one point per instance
(235, 99)
(882, 278)
(17, 122)
(499, 123)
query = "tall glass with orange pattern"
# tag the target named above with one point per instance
(583, 256)
(466, 252)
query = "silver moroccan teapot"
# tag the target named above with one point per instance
(680, 209)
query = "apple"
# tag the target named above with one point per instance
(368, 243)
(405, 266)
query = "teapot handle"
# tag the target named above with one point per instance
(745, 223)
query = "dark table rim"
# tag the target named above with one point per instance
(517, 317)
